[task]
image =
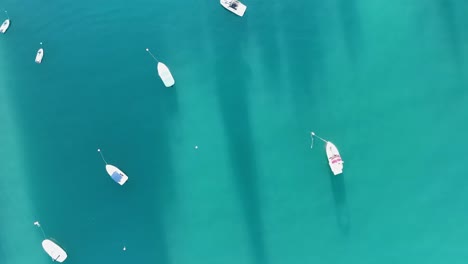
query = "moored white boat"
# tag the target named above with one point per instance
(334, 158)
(234, 6)
(165, 75)
(333, 155)
(55, 251)
(116, 174)
(5, 26)
(39, 55)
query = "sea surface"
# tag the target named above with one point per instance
(220, 166)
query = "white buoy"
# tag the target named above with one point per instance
(196, 147)
(124, 248)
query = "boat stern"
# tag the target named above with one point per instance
(55, 251)
(165, 75)
(116, 174)
(337, 169)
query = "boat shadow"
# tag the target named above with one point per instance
(304, 50)
(352, 33)
(338, 187)
(233, 98)
(149, 220)
(447, 10)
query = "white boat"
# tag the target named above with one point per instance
(55, 251)
(165, 75)
(334, 158)
(39, 55)
(234, 6)
(5, 26)
(116, 174)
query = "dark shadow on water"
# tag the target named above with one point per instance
(447, 12)
(3, 257)
(265, 35)
(305, 49)
(150, 204)
(352, 32)
(232, 75)
(341, 205)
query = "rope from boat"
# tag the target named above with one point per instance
(40, 227)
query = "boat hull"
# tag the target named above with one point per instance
(116, 174)
(334, 158)
(55, 251)
(5, 26)
(234, 6)
(165, 75)
(39, 56)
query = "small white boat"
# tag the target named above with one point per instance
(55, 251)
(116, 174)
(5, 26)
(234, 6)
(334, 158)
(39, 55)
(165, 75)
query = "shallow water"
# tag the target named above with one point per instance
(386, 82)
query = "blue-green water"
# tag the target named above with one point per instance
(386, 81)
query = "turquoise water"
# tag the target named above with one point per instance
(385, 81)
